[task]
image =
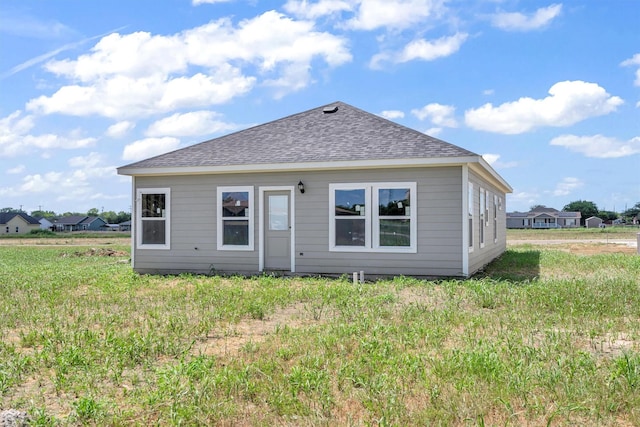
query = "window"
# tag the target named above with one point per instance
(373, 217)
(483, 211)
(153, 219)
(7, 229)
(17, 229)
(495, 218)
(470, 215)
(235, 218)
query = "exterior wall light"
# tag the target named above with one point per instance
(301, 187)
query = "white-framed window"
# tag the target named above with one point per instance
(235, 218)
(483, 212)
(373, 217)
(153, 219)
(470, 214)
(495, 218)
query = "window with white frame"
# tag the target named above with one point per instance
(495, 218)
(153, 218)
(483, 211)
(373, 217)
(235, 218)
(470, 215)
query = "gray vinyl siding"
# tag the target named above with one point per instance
(481, 256)
(193, 225)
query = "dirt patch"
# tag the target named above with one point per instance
(612, 345)
(598, 248)
(71, 241)
(96, 252)
(419, 296)
(231, 339)
(584, 247)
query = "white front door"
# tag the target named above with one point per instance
(277, 230)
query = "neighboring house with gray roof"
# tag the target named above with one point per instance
(543, 217)
(17, 223)
(331, 190)
(79, 223)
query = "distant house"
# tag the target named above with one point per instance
(331, 190)
(125, 226)
(17, 223)
(594, 222)
(79, 223)
(45, 224)
(542, 217)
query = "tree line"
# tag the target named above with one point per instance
(110, 217)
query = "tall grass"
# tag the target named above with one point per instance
(542, 337)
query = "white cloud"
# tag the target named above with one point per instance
(25, 25)
(199, 2)
(194, 123)
(488, 92)
(86, 175)
(598, 146)
(392, 114)
(15, 139)
(421, 49)
(122, 96)
(634, 61)
(435, 131)
(440, 115)
(394, 14)
(429, 50)
(567, 186)
(40, 183)
(305, 9)
(523, 199)
(516, 21)
(494, 160)
(149, 147)
(18, 169)
(141, 74)
(569, 102)
(120, 129)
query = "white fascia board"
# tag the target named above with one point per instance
(292, 167)
(483, 168)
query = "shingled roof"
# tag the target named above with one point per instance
(337, 132)
(5, 217)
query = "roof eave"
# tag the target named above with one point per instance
(288, 167)
(477, 163)
(481, 166)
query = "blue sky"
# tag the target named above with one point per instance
(548, 92)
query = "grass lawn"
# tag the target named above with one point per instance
(542, 337)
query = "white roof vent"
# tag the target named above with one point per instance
(330, 109)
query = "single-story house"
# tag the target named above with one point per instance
(331, 190)
(124, 226)
(45, 224)
(543, 217)
(17, 223)
(593, 222)
(79, 223)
